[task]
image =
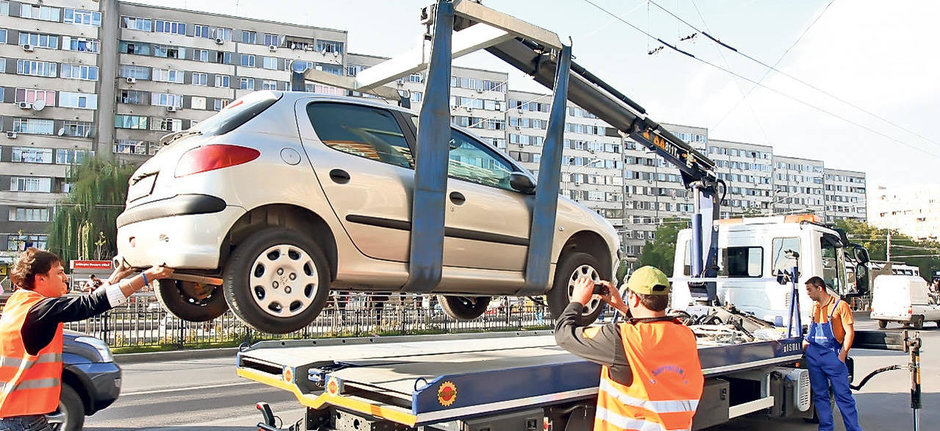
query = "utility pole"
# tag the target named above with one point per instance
(889, 246)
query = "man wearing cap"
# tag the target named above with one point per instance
(651, 377)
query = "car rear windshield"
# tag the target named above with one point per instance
(237, 113)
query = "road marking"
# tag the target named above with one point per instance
(189, 388)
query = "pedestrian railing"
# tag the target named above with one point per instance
(143, 323)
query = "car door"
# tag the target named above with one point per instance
(487, 222)
(363, 161)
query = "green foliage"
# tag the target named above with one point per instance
(661, 251)
(84, 223)
(926, 253)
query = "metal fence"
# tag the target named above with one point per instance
(143, 323)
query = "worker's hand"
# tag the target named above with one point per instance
(843, 354)
(120, 272)
(613, 298)
(583, 290)
(158, 272)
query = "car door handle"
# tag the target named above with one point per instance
(457, 198)
(339, 176)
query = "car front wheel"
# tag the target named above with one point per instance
(882, 324)
(70, 416)
(277, 280)
(464, 307)
(572, 267)
(193, 302)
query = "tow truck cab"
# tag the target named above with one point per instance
(753, 252)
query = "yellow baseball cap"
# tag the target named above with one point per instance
(648, 280)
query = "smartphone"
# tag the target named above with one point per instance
(600, 289)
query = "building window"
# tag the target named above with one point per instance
(78, 129)
(223, 57)
(22, 242)
(248, 60)
(269, 63)
(37, 40)
(268, 85)
(29, 214)
(79, 44)
(30, 184)
(29, 95)
(168, 124)
(202, 31)
(247, 84)
(197, 102)
(33, 126)
(136, 72)
(162, 26)
(271, 39)
(200, 78)
(223, 81)
(44, 13)
(68, 157)
(169, 51)
(132, 23)
(249, 36)
(138, 48)
(219, 104)
(201, 55)
(135, 122)
(168, 75)
(75, 71)
(129, 146)
(4, 8)
(132, 97)
(31, 155)
(78, 100)
(166, 99)
(328, 46)
(3, 35)
(84, 17)
(335, 69)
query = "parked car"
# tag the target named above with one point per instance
(284, 196)
(904, 299)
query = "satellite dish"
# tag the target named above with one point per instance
(61, 132)
(39, 104)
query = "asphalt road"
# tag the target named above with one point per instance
(206, 395)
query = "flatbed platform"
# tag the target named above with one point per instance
(420, 380)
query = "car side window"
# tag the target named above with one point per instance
(363, 131)
(468, 160)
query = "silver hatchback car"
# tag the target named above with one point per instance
(283, 196)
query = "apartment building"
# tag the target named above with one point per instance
(798, 186)
(747, 169)
(845, 195)
(911, 210)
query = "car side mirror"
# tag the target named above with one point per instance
(861, 255)
(521, 183)
(861, 279)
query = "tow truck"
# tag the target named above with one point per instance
(522, 380)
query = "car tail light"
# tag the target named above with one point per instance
(211, 157)
(910, 310)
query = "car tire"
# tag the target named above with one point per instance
(917, 322)
(73, 409)
(464, 307)
(277, 280)
(882, 324)
(179, 298)
(572, 267)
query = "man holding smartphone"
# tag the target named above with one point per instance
(651, 377)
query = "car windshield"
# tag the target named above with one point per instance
(237, 113)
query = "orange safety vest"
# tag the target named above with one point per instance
(29, 384)
(667, 380)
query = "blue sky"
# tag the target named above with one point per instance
(877, 55)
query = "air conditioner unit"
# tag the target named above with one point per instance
(24, 105)
(479, 90)
(171, 109)
(308, 48)
(335, 53)
(28, 48)
(11, 135)
(272, 48)
(131, 80)
(219, 41)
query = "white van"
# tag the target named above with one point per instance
(904, 299)
(753, 251)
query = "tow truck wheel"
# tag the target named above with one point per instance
(192, 302)
(277, 280)
(882, 324)
(464, 307)
(572, 267)
(917, 321)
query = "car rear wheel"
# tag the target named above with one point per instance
(70, 416)
(277, 280)
(193, 302)
(917, 322)
(882, 324)
(464, 307)
(572, 267)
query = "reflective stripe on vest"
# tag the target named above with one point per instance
(29, 384)
(673, 406)
(625, 423)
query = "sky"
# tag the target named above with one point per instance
(878, 56)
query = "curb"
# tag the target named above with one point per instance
(175, 355)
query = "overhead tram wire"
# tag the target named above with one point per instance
(774, 68)
(793, 98)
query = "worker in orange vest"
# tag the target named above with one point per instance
(31, 333)
(651, 377)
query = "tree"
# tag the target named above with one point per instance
(661, 251)
(923, 254)
(84, 225)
